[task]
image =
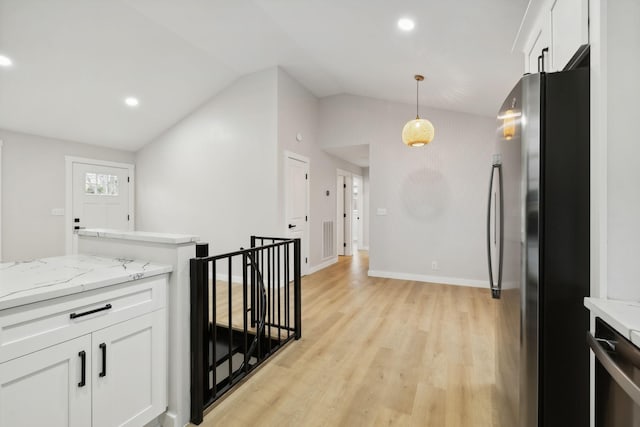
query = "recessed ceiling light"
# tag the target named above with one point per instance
(5, 61)
(406, 24)
(131, 101)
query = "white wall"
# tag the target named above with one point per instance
(298, 112)
(622, 127)
(435, 196)
(214, 173)
(365, 208)
(33, 183)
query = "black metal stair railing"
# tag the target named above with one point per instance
(269, 292)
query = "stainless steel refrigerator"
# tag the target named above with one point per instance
(538, 251)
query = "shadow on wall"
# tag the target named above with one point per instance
(425, 194)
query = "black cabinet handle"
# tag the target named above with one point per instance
(86, 313)
(545, 50)
(292, 226)
(83, 369)
(103, 347)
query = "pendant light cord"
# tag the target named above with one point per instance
(417, 89)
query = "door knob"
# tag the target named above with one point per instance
(291, 226)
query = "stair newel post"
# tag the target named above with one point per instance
(206, 301)
(297, 294)
(254, 281)
(197, 344)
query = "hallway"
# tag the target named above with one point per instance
(375, 352)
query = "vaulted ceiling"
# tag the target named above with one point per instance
(74, 61)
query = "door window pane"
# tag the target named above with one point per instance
(101, 184)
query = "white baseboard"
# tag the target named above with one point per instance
(430, 279)
(365, 248)
(323, 265)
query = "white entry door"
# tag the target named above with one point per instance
(297, 203)
(101, 198)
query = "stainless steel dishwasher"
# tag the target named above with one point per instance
(617, 377)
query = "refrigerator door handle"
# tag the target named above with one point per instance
(495, 287)
(619, 376)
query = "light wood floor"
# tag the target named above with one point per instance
(375, 352)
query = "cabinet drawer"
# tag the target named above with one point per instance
(36, 326)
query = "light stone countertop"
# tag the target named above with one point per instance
(140, 236)
(623, 316)
(41, 279)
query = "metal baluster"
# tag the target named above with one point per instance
(214, 325)
(253, 288)
(230, 273)
(258, 331)
(278, 248)
(269, 298)
(244, 311)
(286, 289)
(297, 292)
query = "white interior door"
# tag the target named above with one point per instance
(340, 241)
(45, 388)
(100, 198)
(297, 204)
(345, 215)
(357, 212)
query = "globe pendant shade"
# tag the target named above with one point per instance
(417, 133)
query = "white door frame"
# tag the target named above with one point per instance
(348, 201)
(304, 267)
(360, 230)
(1, 200)
(68, 199)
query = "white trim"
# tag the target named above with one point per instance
(68, 196)
(304, 270)
(1, 143)
(323, 265)
(364, 248)
(598, 141)
(430, 279)
(360, 230)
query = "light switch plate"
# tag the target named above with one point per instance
(381, 211)
(57, 212)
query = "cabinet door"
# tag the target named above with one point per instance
(130, 371)
(569, 29)
(541, 40)
(44, 388)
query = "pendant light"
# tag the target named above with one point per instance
(418, 132)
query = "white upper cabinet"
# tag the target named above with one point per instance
(539, 52)
(569, 29)
(560, 26)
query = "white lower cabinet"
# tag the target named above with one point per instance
(45, 388)
(129, 364)
(111, 370)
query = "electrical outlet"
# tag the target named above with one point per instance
(434, 265)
